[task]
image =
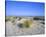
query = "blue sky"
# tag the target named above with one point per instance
(19, 8)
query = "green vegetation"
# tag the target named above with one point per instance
(10, 18)
(26, 24)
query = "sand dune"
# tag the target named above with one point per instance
(12, 29)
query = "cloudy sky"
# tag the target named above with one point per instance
(19, 8)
